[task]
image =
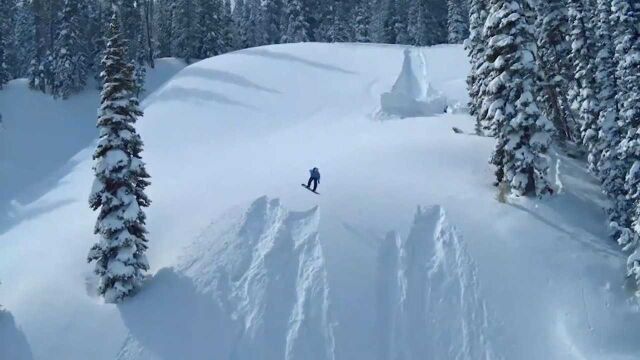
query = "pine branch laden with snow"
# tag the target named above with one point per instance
(523, 133)
(456, 23)
(582, 55)
(120, 179)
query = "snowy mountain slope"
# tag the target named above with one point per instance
(41, 133)
(527, 279)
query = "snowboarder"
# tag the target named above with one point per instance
(314, 178)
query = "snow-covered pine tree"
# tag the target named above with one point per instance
(401, 22)
(456, 22)
(340, 30)
(25, 36)
(227, 26)
(131, 26)
(239, 26)
(611, 170)
(254, 22)
(184, 41)
(627, 17)
(361, 22)
(582, 55)
(297, 28)
(164, 24)
(523, 133)
(475, 46)
(207, 20)
(8, 10)
(70, 61)
(554, 49)
(272, 20)
(118, 189)
(140, 67)
(4, 71)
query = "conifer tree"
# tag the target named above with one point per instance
(611, 169)
(70, 62)
(554, 50)
(523, 133)
(273, 15)
(25, 38)
(164, 23)
(456, 24)
(475, 46)
(582, 55)
(118, 189)
(297, 26)
(362, 21)
(183, 43)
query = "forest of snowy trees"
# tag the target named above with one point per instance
(58, 44)
(569, 71)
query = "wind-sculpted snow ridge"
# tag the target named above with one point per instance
(429, 302)
(252, 287)
(413, 95)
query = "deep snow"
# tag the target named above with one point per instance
(355, 273)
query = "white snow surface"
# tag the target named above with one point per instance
(249, 265)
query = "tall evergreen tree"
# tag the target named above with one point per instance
(70, 62)
(476, 48)
(456, 22)
(524, 134)
(611, 169)
(272, 20)
(164, 25)
(25, 36)
(254, 23)
(118, 189)
(582, 55)
(554, 60)
(627, 16)
(4, 71)
(183, 43)
(361, 22)
(297, 26)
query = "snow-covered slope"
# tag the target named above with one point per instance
(40, 134)
(354, 273)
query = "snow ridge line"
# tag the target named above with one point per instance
(277, 287)
(435, 291)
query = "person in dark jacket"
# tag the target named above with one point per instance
(314, 178)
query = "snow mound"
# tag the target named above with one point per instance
(250, 287)
(13, 343)
(428, 285)
(413, 95)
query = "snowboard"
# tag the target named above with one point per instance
(308, 188)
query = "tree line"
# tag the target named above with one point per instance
(566, 71)
(58, 44)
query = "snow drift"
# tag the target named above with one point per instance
(413, 93)
(429, 300)
(251, 287)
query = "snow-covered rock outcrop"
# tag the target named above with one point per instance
(413, 95)
(252, 287)
(429, 302)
